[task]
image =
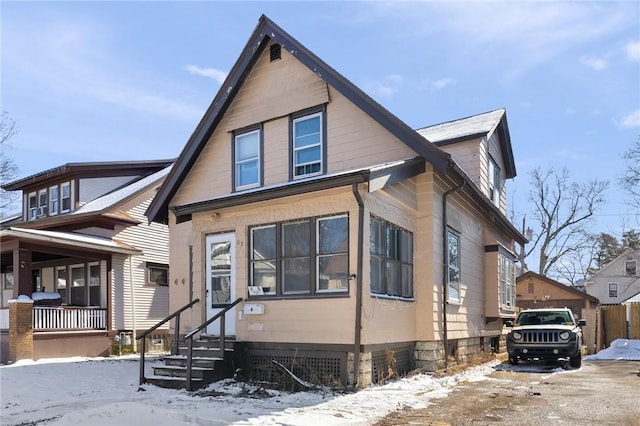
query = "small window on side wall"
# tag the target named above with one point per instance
(453, 266)
(630, 268)
(157, 274)
(247, 159)
(613, 289)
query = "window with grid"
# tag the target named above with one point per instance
(391, 259)
(302, 257)
(613, 289)
(508, 281)
(495, 182)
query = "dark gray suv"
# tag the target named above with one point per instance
(550, 333)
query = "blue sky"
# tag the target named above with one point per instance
(108, 81)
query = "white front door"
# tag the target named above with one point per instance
(221, 282)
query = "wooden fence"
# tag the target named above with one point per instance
(618, 322)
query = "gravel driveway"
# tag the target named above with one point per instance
(601, 392)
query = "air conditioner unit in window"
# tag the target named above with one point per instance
(42, 211)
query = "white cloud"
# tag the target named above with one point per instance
(632, 50)
(630, 120)
(216, 74)
(593, 63)
(74, 61)
(387, 87)
(442, 83)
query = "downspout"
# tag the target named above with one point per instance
(133, 306)
(358, 319)
(445, 272)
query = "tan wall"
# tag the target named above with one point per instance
(353, 138)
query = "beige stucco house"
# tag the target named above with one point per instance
(353, 240)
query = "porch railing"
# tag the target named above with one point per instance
(174, 347)
(189, 338)
(69, 318)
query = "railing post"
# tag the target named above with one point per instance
(176, 337)
(142, 378)
(189, 359)
(222, 337)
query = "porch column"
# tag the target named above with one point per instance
(22, 272)
(20, 329)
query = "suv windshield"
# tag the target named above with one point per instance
(541, 318)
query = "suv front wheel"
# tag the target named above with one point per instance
(576, 361)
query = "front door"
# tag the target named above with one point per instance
(220, 276)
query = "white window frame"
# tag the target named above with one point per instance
(54, 200)
(507, 279)
(613, 290)
(32, 208)
(62, 197)
(453, 266)
(257, 159)
(43, 202)
(495, 182)
(320, 143)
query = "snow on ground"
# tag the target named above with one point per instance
(105, 391)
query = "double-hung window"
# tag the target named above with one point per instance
(54, 201)
(508, 281)
(453, 266)
(613, 290)
(65, 199)
(33, 205)
(247, 159)
(308, 145)
(301, 257)
(391, 259)
(43, 198)
(495, 182)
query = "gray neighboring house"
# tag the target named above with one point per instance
(618, 280)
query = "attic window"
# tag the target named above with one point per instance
(274, 52)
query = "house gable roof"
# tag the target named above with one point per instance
(88, 169)
(531, 274)
(474, 127)
(629, 252)
(265, 32)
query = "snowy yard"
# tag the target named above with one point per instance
(105, 391)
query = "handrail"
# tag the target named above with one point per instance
(189, 337)
(174, 346)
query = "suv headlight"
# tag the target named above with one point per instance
(516, 335)
(565, 335)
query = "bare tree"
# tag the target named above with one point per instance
(630, 180)
(578, 264)
(8, 167)
(562, 213)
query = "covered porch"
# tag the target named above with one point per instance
(66, 277)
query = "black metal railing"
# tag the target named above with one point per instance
(189, 338)
(174, 346)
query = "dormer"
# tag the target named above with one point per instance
(481, 146)
(62, 190)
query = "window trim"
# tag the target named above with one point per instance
(458, 267)
(43, 207)
(234, 174)
(62, 197)
(313, 291)
(627, 269)
(613, 290)
(384, 259)
(54, 211)
(299, 116)
(495, 181)
(147, 273)
(509, 281)
(32, 210)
